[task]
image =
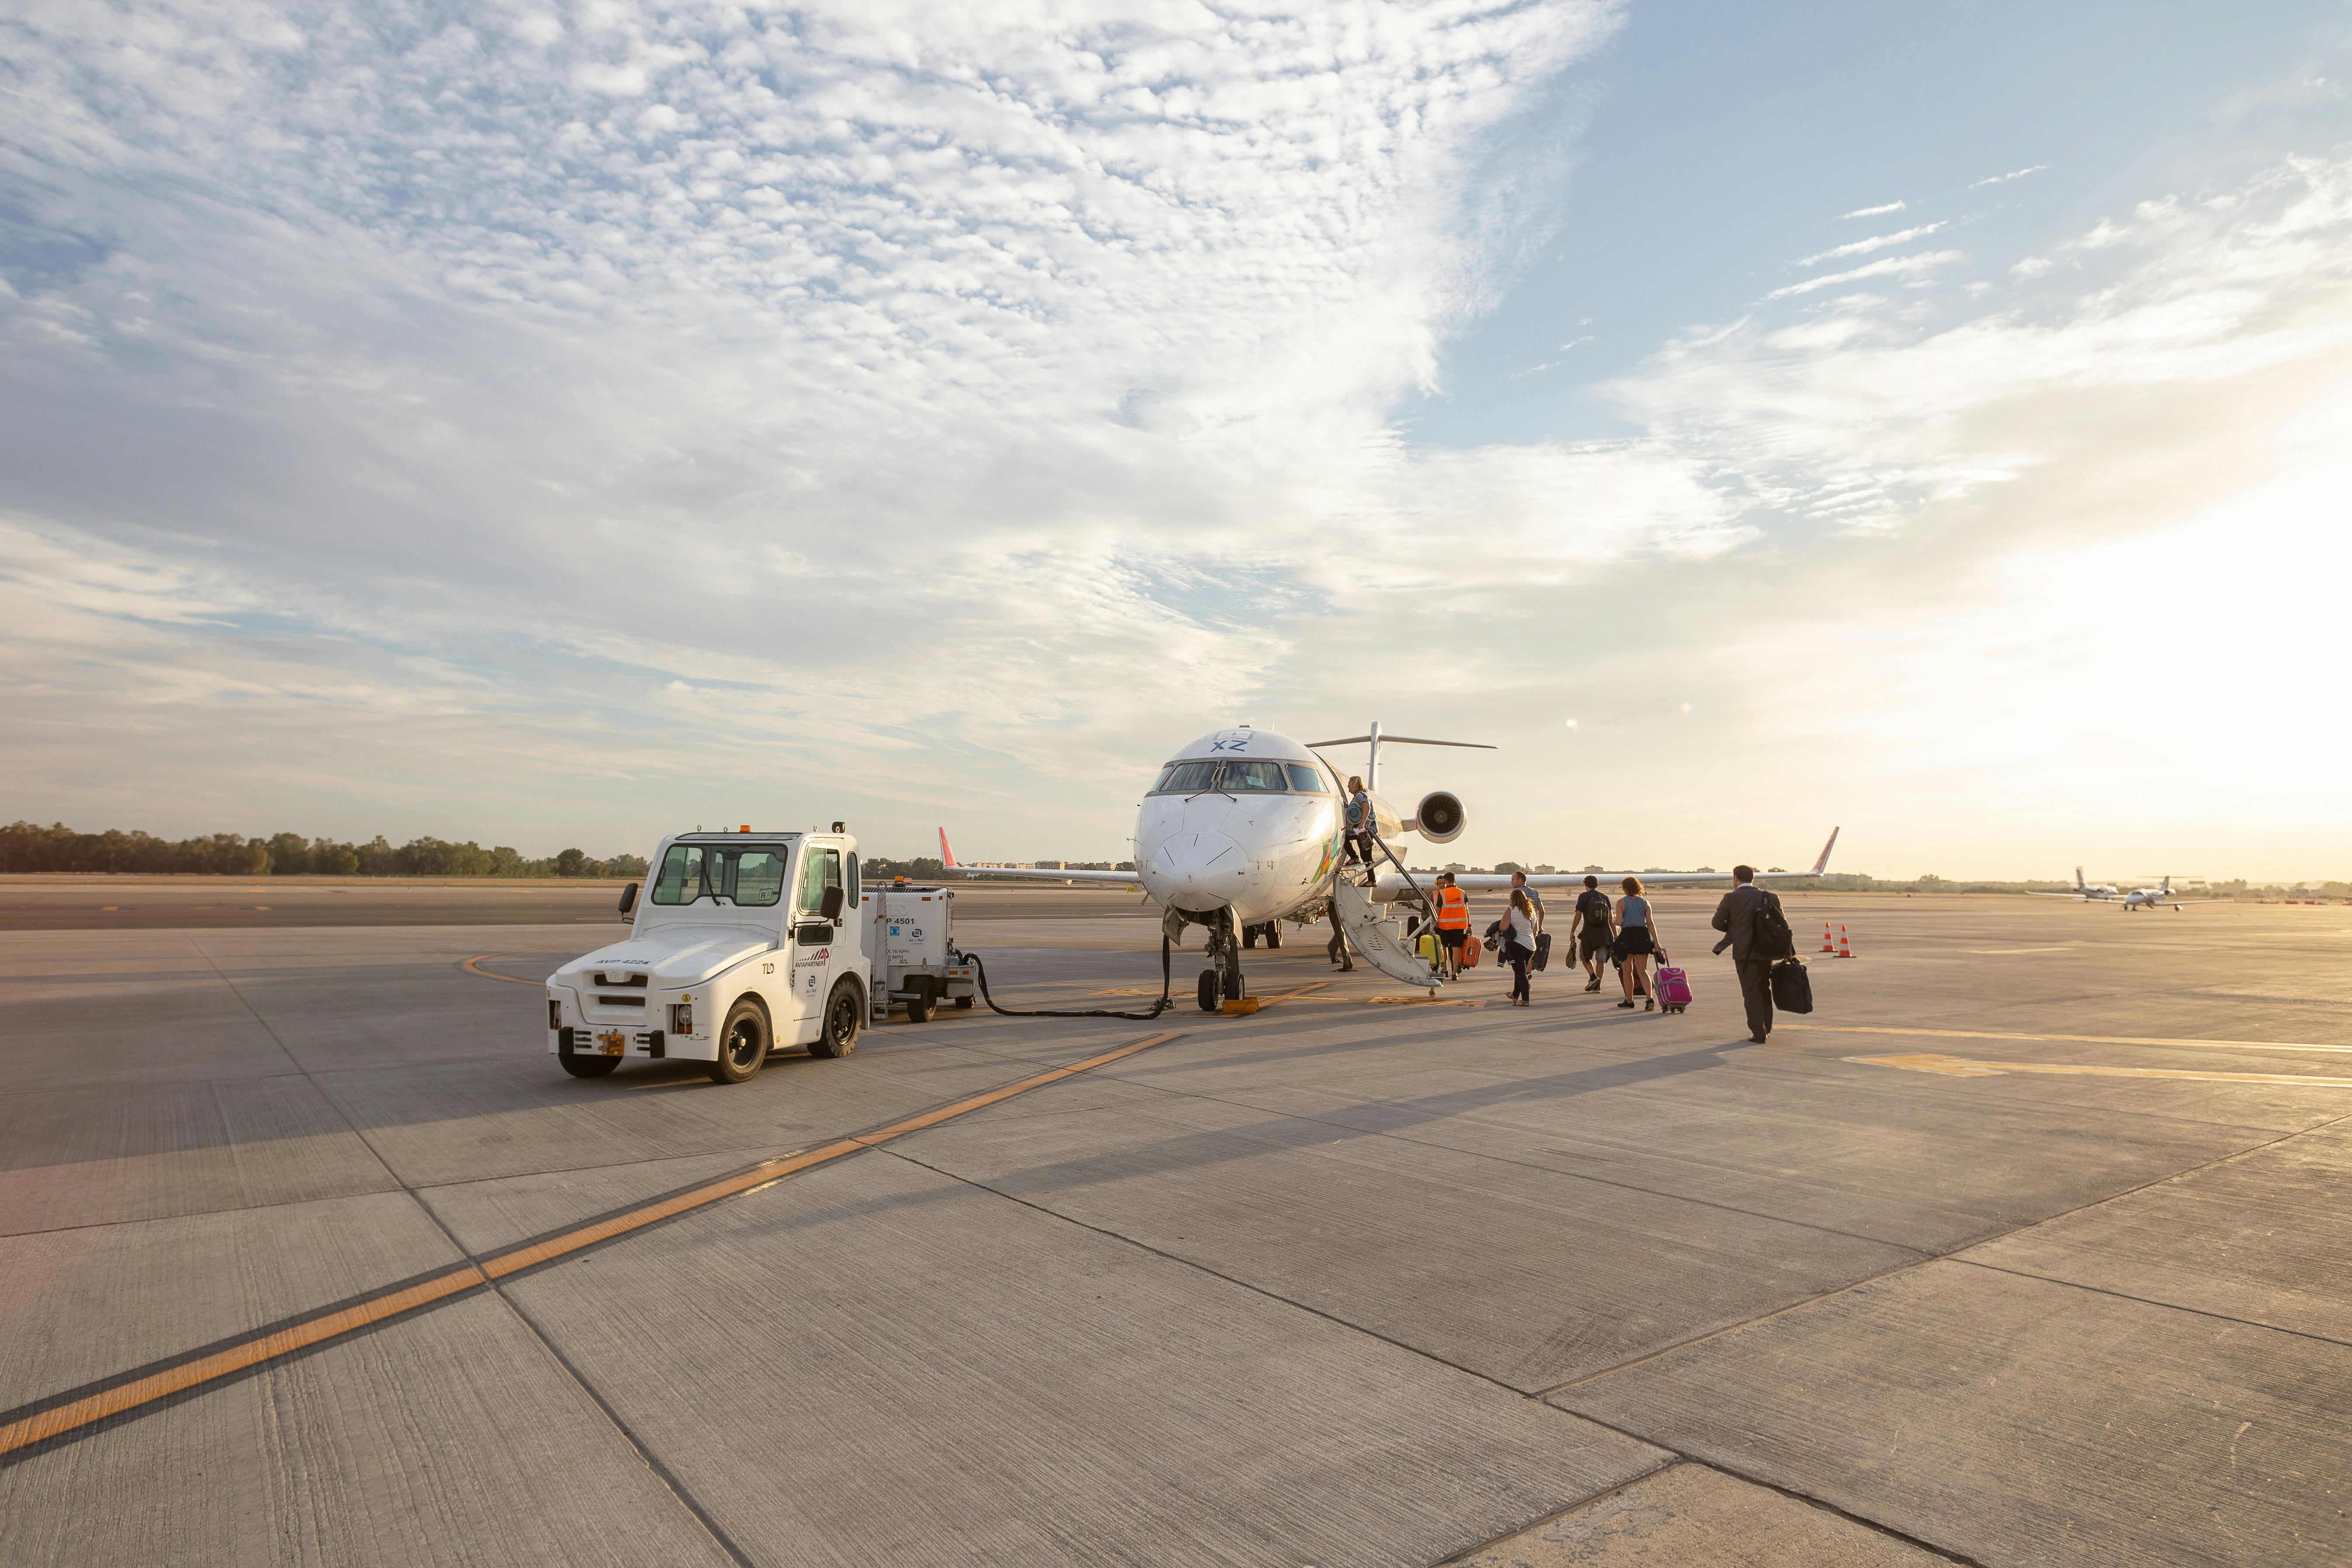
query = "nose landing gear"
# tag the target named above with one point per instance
(1222, 979)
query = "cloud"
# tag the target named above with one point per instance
(555, 427)
(620, 359)
(1876, 242)
(1995, 538)
(2012, 175)
(1892, 267)
(1877, 211)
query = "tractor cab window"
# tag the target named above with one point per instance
(821, 869)
(679, 880)
(1245, 777)
(1186, 778)
(755, 878)
(748, 875)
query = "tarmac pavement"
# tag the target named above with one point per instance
(1358, 1280)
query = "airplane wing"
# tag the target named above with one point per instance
(1119, 879)
(1115, 878)
(1494, 882)
(2085, 897)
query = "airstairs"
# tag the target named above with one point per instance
(1379, 938)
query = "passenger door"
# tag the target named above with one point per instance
(823, 950)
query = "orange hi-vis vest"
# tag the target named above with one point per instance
(1452, 910)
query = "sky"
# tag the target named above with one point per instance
(555, 425)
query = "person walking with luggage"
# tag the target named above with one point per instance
(1591, 930)
(1519, 945)
(1452, 921)
(1541, 946)
(1637, 939)
(1755, 942)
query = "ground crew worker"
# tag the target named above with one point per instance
(1452, 921)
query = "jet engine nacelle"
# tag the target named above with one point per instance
(1439, 818)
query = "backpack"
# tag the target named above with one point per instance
(1769, 933)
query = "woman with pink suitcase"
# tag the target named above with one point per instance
(1636, 941)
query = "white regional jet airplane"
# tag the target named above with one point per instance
(2138, 899)
(1243, 829)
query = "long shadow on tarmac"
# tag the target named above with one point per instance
(1284, 1135)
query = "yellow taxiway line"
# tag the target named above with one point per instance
(2070, 1039)
(1960, 1067)
(473, 966)
(143, 1386)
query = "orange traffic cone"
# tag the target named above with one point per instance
(1827, 945)
(1846, 949)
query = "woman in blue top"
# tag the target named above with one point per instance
(1637, 939)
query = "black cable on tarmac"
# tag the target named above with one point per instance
(979, 972)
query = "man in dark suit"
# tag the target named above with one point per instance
(1736, 917)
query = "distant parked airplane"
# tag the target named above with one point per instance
(2138, 899)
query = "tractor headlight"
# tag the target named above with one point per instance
(681, 1017)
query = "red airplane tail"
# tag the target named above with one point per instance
(947, 855)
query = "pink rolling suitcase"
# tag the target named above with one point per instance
(1673, 989)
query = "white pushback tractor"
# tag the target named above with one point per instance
(745, 944)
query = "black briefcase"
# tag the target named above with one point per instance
(1543, 949)
(1793, 988)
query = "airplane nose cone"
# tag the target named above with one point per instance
(1199, 871)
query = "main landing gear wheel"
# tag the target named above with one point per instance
(1208, 991)
(844, 1010)
(1274, 934)
(1249, 936)
(742, 1044)
(581, 1066)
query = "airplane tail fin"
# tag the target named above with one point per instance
(947, 855)
(1822, 863)
(2079, 885)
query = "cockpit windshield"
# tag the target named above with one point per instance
(1240, 777)
(1186, 778)
(749, 876)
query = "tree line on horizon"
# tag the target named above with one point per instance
(28, 846)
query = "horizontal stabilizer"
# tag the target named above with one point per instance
(1400, 741)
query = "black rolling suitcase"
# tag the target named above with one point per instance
(1793, 988)
(1543, 949)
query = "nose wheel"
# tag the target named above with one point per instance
(1222, 979)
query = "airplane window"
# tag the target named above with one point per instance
(1186, 778)
(1242, 776)
(1305, 779)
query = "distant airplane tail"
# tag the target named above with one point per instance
(2080, 886)
(1822, 863)
(947, 855)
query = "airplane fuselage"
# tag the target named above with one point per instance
(1242, 819)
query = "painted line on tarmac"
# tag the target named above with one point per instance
(2071, 1039)
(74, 1410)
(471, 965)
(1961, 1067)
